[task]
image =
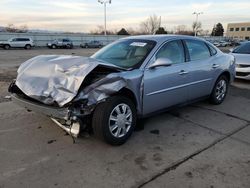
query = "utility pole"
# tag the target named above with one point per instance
(104, 2)
(196, 21)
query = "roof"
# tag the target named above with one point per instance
(160, 38)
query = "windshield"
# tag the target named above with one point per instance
(243, 49)
(128, 53)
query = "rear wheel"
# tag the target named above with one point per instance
(220, 89)
(27, 47)
(53, 46)
(6, 47)
(114, 120)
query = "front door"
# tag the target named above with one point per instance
(165, 86)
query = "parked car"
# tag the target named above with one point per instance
(60, 43)
(216, 43)
(18, 42)
(242, 56)
(234, 43)
(129, 79)
(222, 43)
(92, 44)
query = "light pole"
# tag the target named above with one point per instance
(196, 21)
(104, 2)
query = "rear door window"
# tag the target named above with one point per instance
(198, 50)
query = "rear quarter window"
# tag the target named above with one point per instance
(212, 49)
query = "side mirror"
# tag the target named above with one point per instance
(161, 62)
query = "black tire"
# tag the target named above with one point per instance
(214, 97)
(27, 47)
(53, 46)
(86, 46)
(6, 46)
(101, 120)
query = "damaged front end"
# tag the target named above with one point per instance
(67, 88)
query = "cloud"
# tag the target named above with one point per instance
(85, 15)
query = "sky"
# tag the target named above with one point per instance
(87, 15)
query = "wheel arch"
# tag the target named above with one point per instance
(129, 94)
(227, 74)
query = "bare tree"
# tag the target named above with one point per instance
(100, 31)
(183, 30)
(180, 28)
(205, 32)
(197, 27)
(13, 29)
(151, 24)
(23, 29)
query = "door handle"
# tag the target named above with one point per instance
(215, 66)
(182, 72)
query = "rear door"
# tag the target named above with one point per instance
(23, 42)
(166, 86)
(201, 67)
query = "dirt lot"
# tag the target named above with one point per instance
(200, 145)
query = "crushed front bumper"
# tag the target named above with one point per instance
(53, 112)
(61, 116)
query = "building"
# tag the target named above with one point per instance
(239, 31)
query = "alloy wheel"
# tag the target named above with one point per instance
(221, 90)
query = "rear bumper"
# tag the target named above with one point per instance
(53, 112)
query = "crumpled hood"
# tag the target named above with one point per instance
(54, 78)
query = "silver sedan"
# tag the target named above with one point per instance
(242, 55)
(129, 79)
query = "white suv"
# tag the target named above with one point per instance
(26, 43)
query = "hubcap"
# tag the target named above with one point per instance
(120, 120)
(221, 89)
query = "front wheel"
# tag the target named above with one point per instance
(220, 89)
(6, 47)
(114, 120)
